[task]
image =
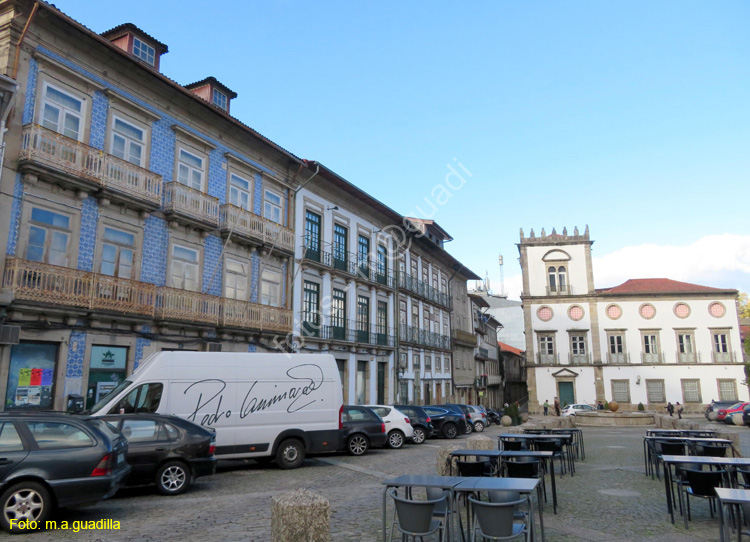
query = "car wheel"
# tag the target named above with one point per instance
(419, 436)
(290, 454)
(478, 426)
(25, 501)
(357, 445)
(395, 439)
(173, 478)
(469, 428)
(450, 430)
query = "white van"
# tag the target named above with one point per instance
(261, 405)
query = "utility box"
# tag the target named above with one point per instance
(76, 403)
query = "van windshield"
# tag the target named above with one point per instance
(104, 400)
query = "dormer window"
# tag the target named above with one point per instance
(220, 100)
(144, 51)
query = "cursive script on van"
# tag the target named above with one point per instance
(305, 380)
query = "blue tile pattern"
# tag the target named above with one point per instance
(99, 111)
(76, 354)
(258, 198)
(212, 265)
(163, 141)
(87, 242)
(252, 348)
(15, 216)
(155, 250)
(30, 98)
(254, 276)
(140, 342)
(217, 175)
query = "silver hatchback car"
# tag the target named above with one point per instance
(478, 418)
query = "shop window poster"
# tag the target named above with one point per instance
(31, 376)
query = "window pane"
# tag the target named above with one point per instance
(128, 130)
(48, 217)
(118, 236)
(63, 99)
(50, 117)
(71, 126)
(191, 159)
(140, 430)
(50, 435)
(185, 253)
(239, 182)
(10, 440)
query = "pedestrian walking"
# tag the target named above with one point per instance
(678, 406)
(670, 408)
(546, 407)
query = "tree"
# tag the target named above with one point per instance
(744, 305)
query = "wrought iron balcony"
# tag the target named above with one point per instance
(618, 359)
(482, 353)
(111, 176)
(723, 357)
(50, 285)
(464, 338)
(652, 358)
(192, 205)
(347, 263)
(348, 331)
(688, 357)
(244, 223)
(421, 337)
(579, 359)
(424, 290)
(560, 290)
(547, 359)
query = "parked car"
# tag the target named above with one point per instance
(461, 409)
(715, 406)
(478, 418)
(725, 414)
(447, 423)
(746, 416)
(166, 450)
(397, 425)
(361, 429)
(420, 422)
(572, 410)
(54, 459)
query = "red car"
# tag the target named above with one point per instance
(725, 414)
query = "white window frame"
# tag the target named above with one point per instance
(190, 168)
(119, 247)
(238, 288)
(50, 230)
(619, 395)
(650, 396)
(234, 189)
(732, 383)
(63, 110)
(273, 206)
(223, 100)
(266, 290)
(691, 381)
(176, 259)
(145, 51)
(129, 142)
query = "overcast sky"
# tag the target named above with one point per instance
(631, 117)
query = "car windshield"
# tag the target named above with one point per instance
(104, 400)
(736, 405)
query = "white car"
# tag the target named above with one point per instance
(572, 410)
(397, 425)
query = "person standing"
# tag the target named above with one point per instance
(546, 407)
(670, 408)
(599, 406)
(678, 406)
(557, 406)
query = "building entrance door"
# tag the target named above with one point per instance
(565, 392)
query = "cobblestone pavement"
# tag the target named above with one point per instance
(608, 499)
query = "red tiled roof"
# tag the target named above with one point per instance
(660, 286)
(508, 348)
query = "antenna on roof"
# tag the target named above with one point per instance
(502, 276)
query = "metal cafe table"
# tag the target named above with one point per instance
(493, 456)
(525, 486)
(567, 439)
(731, 497)
(577, 437)
(710, 433)
(668, 460)
(410, 481)
(685, 440)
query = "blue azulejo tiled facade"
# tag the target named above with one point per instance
(87, 242)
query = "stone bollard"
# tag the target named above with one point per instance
(441, 461)
(524, 417)
(300, 516)
(737, 419)
(480, 442)
(506, 421)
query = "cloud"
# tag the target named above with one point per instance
(721, 261)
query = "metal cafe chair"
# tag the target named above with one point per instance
(495, 521)
(473, 468)
(527, 469)
(702, 484)
(415, 518)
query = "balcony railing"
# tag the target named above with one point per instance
(348, 263)
(56, 151)
(618, 359)
(652, 358)
(45, 284)
(464, 338)
(183, 200)
(482, 353)
(688, 357)
(349, 331)
(420, 288)
(547, 359)
(723, 357)
(560, 290)
(414, 335)
(579, 359)
(246, 223)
